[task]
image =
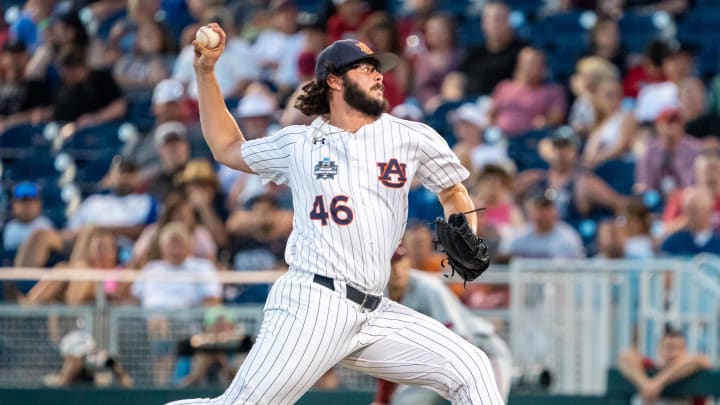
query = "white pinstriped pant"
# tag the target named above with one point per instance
(308, 328)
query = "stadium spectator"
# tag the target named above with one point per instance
(545, 236)
(442, 56)
(198, 182)
(347, 20)
(427, 295)
(315, 41)
(84, 363)
(176, 208)
(123, 212)
(236, 68)
(668, 161)
(258, 238)
(636, 222)
(154, 292)
(674, 364)
(613, 134)
(653, 98)
(26, 218)
(256, 113)
(576, 193)
(213, 351)
(707, 173)
(628, 235)
(605, 43)
(278, 48)
(501, 215)
(256, 117)
(28, 28)
(94, 249)
(413, 25)
(381, 34)
(149, 62)
(494, 61)
(526, 102)
(699, 235)
(700, 121)
(171, 143)
(123, 36)
(469, 122)
(169, 104)
(22, 101)
(589, 72)
(500, 220)
(65, 31)
(648, 71)
(86, 97)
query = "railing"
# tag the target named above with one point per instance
(572, 317)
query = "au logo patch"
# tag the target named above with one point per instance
(325, 169)
(393, 174)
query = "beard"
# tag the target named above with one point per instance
(361, 101)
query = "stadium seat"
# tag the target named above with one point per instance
(91, 140)
(523, 150)
(21, 140)
(527, 7)
(31, 168)
(558, 28)
(93, 168)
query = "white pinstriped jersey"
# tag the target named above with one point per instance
(350, 191)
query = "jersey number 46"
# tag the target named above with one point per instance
(340, 212)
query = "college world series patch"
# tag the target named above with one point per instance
(325, 169)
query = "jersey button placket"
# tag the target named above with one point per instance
(354, 173)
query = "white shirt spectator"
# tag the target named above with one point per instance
(283, 50)
(235, 64)
(114, 210)
(563, 241)
(654, 98)
(16, 232)
(154, 290)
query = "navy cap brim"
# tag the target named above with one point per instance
(386, 60)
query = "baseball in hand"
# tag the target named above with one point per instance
(207, 37)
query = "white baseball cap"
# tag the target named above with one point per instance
(169, 130)
(408, 111)
(167, 91)
(474, 113)
(256, 105)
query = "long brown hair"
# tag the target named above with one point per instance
(314, 100)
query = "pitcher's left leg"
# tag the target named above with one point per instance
(407, 347)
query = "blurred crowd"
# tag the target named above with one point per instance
(581, 143)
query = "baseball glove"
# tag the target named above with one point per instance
(466, 253)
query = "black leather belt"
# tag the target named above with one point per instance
(367, 301)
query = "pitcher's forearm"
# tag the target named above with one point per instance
(219, 128)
